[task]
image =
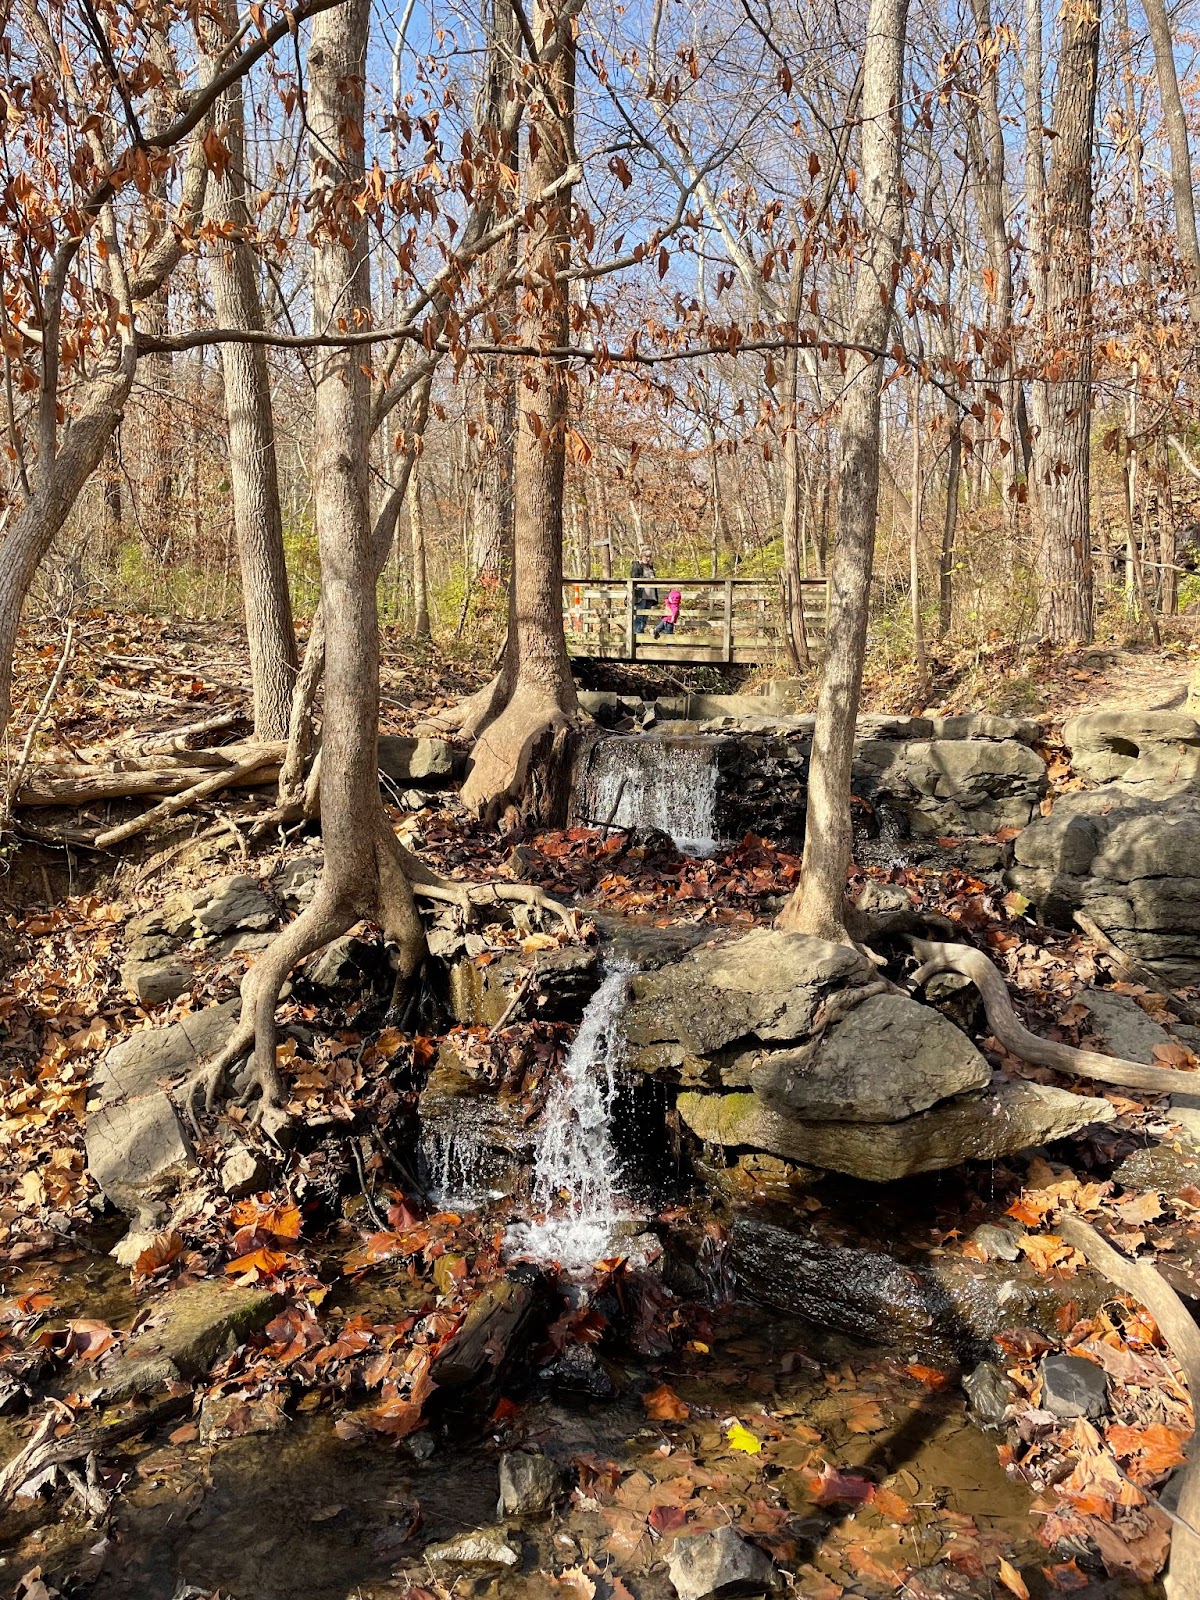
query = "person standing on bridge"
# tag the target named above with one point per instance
(670, 614)
(643, 599)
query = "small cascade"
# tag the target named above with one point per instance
(577, 1173)
(648, 781)
(452, 1161)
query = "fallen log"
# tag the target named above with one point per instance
(77, 784)
(499, 1327)
(1145, 1283)
(1012, 1033)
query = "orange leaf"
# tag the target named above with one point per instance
(664, 1405)
(1012, 1580)
(262, 1263)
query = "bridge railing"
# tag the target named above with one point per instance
(738, 620)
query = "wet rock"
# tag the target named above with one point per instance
(1073, 1387)
(530, 1484)
(472, 1138)
(998, 1241)
(719, 1562)
(1132, 864)
(483, 1547)
(979, 1127)
(643, 944)
(425, 762)
(950, 1302)
(578, 1370)
(555, 985)
(889, 1059)
(1162, 1167)
(137, 1152)
(185, 1333)
(1121, 1023)
(860, 1292)
(140, 1062)
(154, 982)
(242, 1172)
(990, 1394)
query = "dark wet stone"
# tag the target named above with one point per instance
(1073, 1387)
(999, 1242)
(579, 1371)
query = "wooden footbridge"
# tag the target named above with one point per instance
(735, 620)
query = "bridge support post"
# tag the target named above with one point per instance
(727, 641)
(630, 614)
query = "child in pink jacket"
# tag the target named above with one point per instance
(670, 614)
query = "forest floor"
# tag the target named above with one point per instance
(311, 1463)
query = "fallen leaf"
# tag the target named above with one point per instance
(664, 1405)
(742, 1439)
(1012, 1580)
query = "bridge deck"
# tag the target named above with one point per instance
(726, 620)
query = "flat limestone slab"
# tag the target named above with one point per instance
(983, 1127)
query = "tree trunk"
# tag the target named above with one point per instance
(950, 529)
(1181, 156)
(795, 633)
(253, 472)
(816, 907)
(1062, 450)
(914, 536)
(492, 525)
(420, 567)
(521, 754)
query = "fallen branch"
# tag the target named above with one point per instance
(1145, 1283)
(1015, 1036)
(180, 802)
(43, 1450)
(78, 784)
(39, 717)
(1133, 970)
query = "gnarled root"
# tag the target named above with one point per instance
(1144, 1282)
(522, 761)
(471, 714)
(1015, 1036)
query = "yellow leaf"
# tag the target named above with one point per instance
(742, 1439)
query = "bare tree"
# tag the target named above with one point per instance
(816, 907)
(253, 471)
(1181, 157)
(1062, 456)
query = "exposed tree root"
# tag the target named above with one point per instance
(389, 900)
(1016, 1037)
(473, 713)
(1144, 1282)
(521, 762)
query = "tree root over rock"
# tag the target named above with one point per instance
(388, 896)
(1007, 1027)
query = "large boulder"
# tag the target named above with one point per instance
(953, 785)
(1153, 754)
(977, 1127)
(889, 1059)
(1130, 863)
(423, 763)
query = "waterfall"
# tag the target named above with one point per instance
(577, 1171)
(644, 781)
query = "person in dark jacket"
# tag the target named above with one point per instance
(643, 599)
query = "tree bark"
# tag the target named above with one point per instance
(816, 907)
(521, 754)
(253, 472)
(1062, 456)
(420, 565)
(1181, 157)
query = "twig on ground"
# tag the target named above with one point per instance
(1133, 970)
(38, 718)
(43, 1450)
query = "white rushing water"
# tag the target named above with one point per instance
(577, 1171)
(643, 781)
